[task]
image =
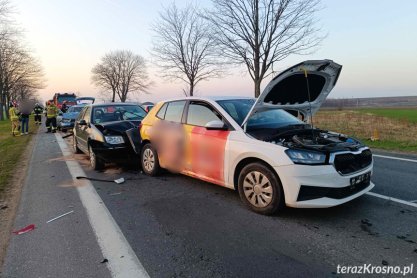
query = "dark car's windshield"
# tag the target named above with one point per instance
(110, 113)
(270, 119)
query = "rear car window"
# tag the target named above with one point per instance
(161, 112)
(174, 111)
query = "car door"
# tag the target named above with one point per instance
(83, 130)
(168, 135)
(205, 153)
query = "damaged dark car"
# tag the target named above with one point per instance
(108, 133)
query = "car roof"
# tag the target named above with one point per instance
(208, 98)
(114, 103)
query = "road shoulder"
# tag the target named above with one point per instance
(11, 198)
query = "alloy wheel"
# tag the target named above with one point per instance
(148, 160)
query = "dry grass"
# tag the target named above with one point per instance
(394, 134)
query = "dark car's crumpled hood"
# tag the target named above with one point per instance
(118, 126)
(129, 129)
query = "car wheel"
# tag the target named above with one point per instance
(260, 189)
(149, 160)
(75, 148)
(96, 163)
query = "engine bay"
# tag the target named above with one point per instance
(305, 137)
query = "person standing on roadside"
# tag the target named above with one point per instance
(24, 115)
(14, 118)
(38, 113)
(51, 113)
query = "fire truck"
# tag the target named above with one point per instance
(59, 99)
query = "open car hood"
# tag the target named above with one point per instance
(303, 87)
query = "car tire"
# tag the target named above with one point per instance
(95, 162)
(260, 189)
(75, 148)
(149, 160)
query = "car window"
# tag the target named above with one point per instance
(272, 118)
(161, 112)
(81, 115)
(75, 109)
(87, 116)
(174, 111)
(200, 114)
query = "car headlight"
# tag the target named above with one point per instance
(114, 139)
(306, 157)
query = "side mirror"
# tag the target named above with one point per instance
(215, 125)
(82, 122)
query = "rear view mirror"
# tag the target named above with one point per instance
(215, 125)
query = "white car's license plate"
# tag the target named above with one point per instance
(364, 178)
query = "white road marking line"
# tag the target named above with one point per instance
(122, 260)
(392, 199)
(395, 158)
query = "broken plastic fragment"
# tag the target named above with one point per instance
(26, 229)
(117, 193)
(62, 215)
(119, 181)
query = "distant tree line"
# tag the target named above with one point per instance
(21, 75)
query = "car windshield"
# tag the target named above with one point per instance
(75, 109)
(270, 119)
(110, 113)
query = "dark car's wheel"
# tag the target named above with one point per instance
(96, 162)
(149, 160)
(75, 148)
(260, 189)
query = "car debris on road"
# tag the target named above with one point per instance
(62, 215)
(24, 230)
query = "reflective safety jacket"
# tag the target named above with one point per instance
(38, 110)
(51, 111)
(13, 114)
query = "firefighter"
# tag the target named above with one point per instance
(38, 114)
(14, 118)
(51, 113)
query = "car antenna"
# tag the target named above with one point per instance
(309, 102)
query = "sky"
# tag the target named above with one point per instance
(374, 40)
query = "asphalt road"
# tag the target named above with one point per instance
(183, 227)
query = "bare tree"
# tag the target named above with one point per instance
(259, 33)
(121, 72)
(184, 47)
(20, 73)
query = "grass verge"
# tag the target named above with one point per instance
(395, 133)
(403, 114)
(11, 150)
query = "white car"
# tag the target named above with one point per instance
(254, 146)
